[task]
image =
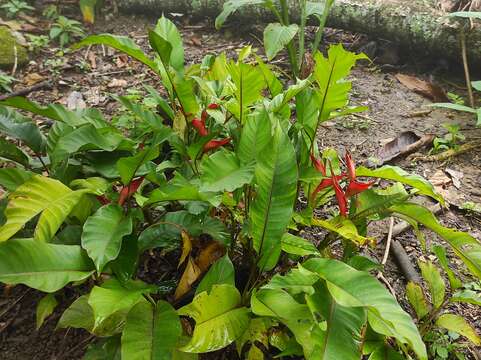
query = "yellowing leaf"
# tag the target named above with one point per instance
(190, 275)
(457, 324)
(186, 247)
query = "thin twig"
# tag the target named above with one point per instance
(14, 303)
(464, 54)
(381, 277)
(15, 62)
(388, 242)
(26, 91)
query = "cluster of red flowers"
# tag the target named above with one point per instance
(199, 125)
(353, 187)
(125, 192)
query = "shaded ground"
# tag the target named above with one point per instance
(98, 73)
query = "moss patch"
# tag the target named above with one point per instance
(7, 51)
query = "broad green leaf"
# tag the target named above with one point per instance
(11, 152)
(12, 178)
(395, 173)
(121, 43)
(466, 247)
(272, 208)
(296, 245)
(104, 349)
(440, 252)
(221, 272)
(435, 282)
(341, 338)
(385, 352)
(45, 267)
(222, 171)
(39, 195)
(258, 330)
(342, 227)
(219, 319)
(113, 297)
(307, 111)
(21, 128)
(162, 47)
(78, 315)
(467, 296)
(125, 265)
(273, 83)
(476, 85)
(230, 7)
(330, 74)
(103, 232)
(97, 185)
(279, 304)
(167, 30)
(459, 325)
(128, 166)
(466, 14)
(255, 136)
(350, 287)
(297, 281)
(45, 308)
(150, 332)
(277, 36)
(415, 295)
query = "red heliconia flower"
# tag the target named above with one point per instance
(200, 127)
(351, 167)
(340, 196)
(213, 106)
(356, 187)
(103, 199)
(214, 144)
(127, 191)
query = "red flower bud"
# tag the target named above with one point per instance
(213, 106)
(204, 116)
(200, 127)
(340, 196)
(214, 144)
(318, 165)
(129, 190)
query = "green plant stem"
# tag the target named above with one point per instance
(464, 55)
(428, 323)
(291, 50)
(302, 30)
(45, 168)
(322, 24)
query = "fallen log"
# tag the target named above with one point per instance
(413, 26)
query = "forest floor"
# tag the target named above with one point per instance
(90, 77)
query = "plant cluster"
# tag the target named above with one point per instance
(65, 30)
(218, 179)
(6, 81)
(14, 7)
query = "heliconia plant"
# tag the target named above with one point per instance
(212, 179)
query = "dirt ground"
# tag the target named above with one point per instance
(97, 73)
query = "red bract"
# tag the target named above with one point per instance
(103, 199)
(341, 198)
(204, 116)
(318, 165)
(200, 127)
(214, 144)
(213, 106)
(129, 190)
(355, 187)
(351, 167)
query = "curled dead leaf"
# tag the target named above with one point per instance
(189, 277)
(427, 89)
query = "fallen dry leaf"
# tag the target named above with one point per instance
(196, 41)
(209, 255)
(456, 177)
(122, 60)
(114, 83)
(92, 58)
(93, 96)
(189, 277)
(424, 88)
(32, 79)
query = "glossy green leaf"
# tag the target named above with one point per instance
(279, 304)
(39, 195)
(435, 282)
(78, 315)
(298, 280)
(457, 107)
(221, 272)
(395, 173)
(150, 332)
(257, 331)
(415, 295)
(230, 7)
(103, 232)
(342, 227)
(385, 352)
(466, 296)
(296, 245)
(121, 43)
(11, 152)
(12, 178)
(45, 267)
(276, 37)
(273, 83)
(459, 325)
(96, 185)
(45, 308)
(222, 171)
(466, 247)
(307, 111)
(21, 128)
(104, 349)
(219, 319)
(272, 208)
(256, 135)
(168, 31)
(128, 166)
(350, 287)
(440, 252)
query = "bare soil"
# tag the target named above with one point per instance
(98, 73)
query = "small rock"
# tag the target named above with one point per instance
(76, 101)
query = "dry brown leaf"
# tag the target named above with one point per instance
(186, 247)
(32, 79)
(75, 101)
(114, 83)
(189, 277)
(122, 60)
(424, 88)
(92, 58)
(210, 254)
(196, 41)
